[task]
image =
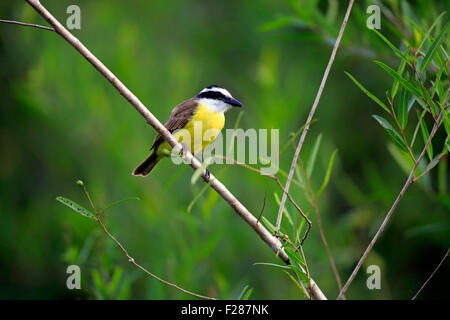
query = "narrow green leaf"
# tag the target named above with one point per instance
(446, 148)
(271, 265)
(300, 274)
(328, 173)
(369, 94)
(296, 282)
(294, 257)
(396, 51)
(391, 131)
(313, 156)
(245, 293)
(395, 85)
(427, 35)
(268, 225)
(405, 83)
(425, 136)
(446, 121)
(433, 48)
(282, 23)
(402, 111)
(76, 207)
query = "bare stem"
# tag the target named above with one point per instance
(408, 182)
(319, 224)
(237, 206)
(26, 24)
(432, 274)
(311, 114)
(131, 259)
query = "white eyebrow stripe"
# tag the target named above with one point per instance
(223, 91)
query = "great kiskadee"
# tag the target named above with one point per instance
(205, 109)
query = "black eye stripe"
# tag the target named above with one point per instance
(211, 95)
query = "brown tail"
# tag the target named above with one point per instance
(147, 165)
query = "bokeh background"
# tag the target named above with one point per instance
(60, 121)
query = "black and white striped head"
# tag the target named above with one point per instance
(217, 98)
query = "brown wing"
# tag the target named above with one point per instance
(180, 115)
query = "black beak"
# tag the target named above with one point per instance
(232, 102)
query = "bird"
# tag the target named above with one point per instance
(206, 109)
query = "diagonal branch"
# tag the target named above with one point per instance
(238, 207)
(408, 182)
(432, 274)
(311, 113)
(125, 251)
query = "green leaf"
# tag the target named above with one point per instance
(245, 293)
(300, 274)
(294, 257)
(395, 85)
(282, 23)
(76, 207)
(427, 35)
(405, 83)
(446, 148)
(402, 111)
(268, 225)
(296, 282)
(313, 156)
(425, 136)
(391, 131)
(446, 121)
(271, 265)
(327, 174)
(369, 94)
(396, 51)
(433, 48)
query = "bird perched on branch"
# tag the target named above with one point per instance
(204, 112)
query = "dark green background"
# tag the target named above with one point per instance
(60, 121)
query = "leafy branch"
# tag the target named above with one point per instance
(416, 88)
(96, 216)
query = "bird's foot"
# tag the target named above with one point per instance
(207, 175)
(183, 150)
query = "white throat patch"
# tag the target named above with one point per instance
(215, 105)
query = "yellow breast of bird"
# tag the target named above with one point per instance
(204, 127)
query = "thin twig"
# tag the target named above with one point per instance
(319, 224)
(234, 203)
(311, 113)
(277, 180)
(131, 259)
(263, 207)
(431, 165)
(26, 24)
(432, 274)
(408, 182)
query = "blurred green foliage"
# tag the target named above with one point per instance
(61, 121)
